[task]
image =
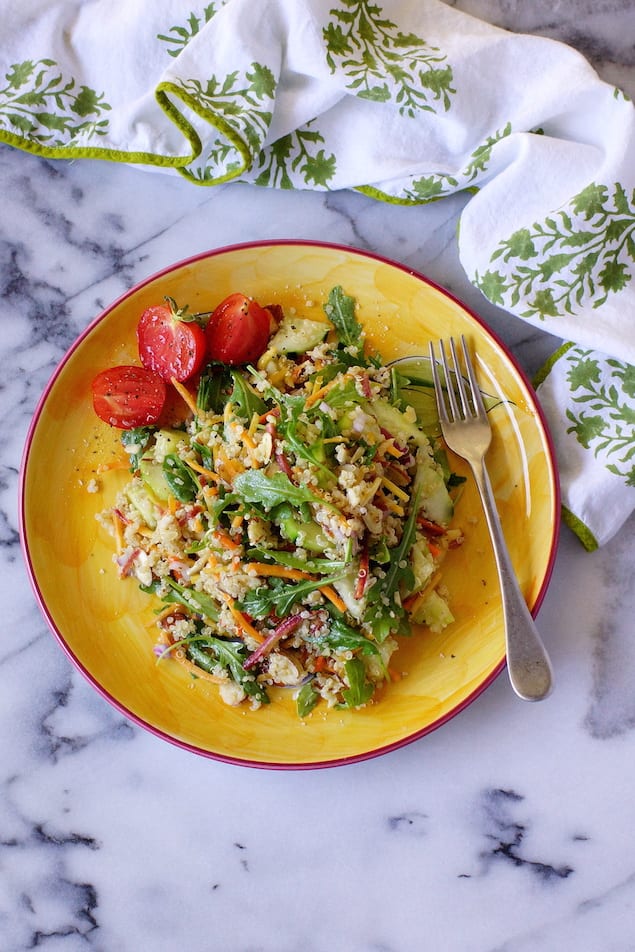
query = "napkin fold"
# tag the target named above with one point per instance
(406, 103)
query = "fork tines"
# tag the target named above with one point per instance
(462, 402)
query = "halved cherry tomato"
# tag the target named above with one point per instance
(238, 330)
(170, 342)
(128, 396)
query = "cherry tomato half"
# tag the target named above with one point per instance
(238, 330)
(169, 343)
(128, 396)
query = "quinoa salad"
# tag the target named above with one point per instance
(292, 529)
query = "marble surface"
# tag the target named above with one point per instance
(508, 830)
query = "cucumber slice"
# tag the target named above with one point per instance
(151, 465)
(141, 501)
(153, 477)
(434, 612)
(393, 420)
(295, 335)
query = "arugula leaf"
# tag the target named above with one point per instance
(180, 478)
(258, 602)
(135, 442)
(256, 486)
(360, 690)
(245, 397)
(205, 452)
(384, 613)
(291, 430)
(213, 388)
(280, 596)
(232, 655)
(220, 504)
(315, 566)
(340, 310)
(307, 699)
(197, 602)
(343, 394)
(341, 637)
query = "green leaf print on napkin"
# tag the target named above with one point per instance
(583, 251)
(382, 63)
(605, 422)
(426, 188)
(238, 107)
(181, 35)
(39, 102)
(296, 155)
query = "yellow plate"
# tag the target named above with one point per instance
(106, 626)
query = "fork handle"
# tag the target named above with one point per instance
(528, 664)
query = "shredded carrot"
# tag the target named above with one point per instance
(203, 470)
(111, 467)
(329, 592)
(394, 675)
(233, 467)
(278, 376)
(414, 601)
(320, 663)
(277, 571)
(225, 540)
(116, 524)
(173, 504)
(237, 521)
(227, 468)
(395, 490)
(389, 447)
(434, 549)
(321, 392)
(253, 426)
(241, 620)
(247, 440)
(392, 505)
(185, 394)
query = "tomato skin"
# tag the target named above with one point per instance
(169, 345)
(128, 396)
(238, 330)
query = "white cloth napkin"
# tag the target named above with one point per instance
(406, 102)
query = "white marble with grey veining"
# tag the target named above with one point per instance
(511, 829)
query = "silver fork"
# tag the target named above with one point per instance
(467, 432)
